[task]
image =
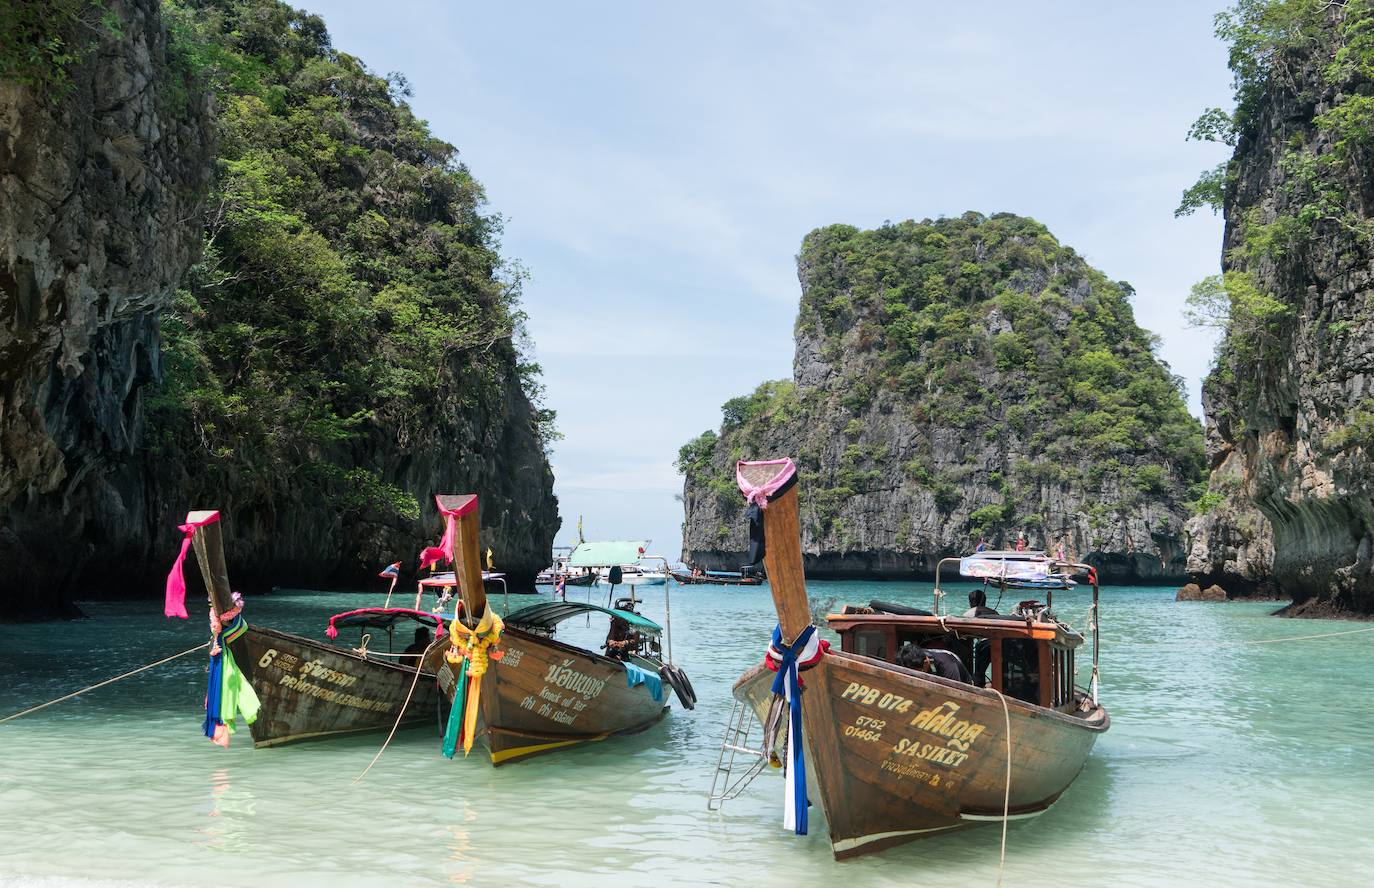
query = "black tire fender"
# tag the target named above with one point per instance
(677, 680)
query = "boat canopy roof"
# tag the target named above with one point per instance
(1006, 565)
(447, 579)
(381, 618)
(548, 614)
(607, 554)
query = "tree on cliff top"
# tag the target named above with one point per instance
(351, 283)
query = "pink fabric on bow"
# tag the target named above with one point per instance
(175, 605)
(443, 551)
(761, 493)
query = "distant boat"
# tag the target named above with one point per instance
(633, 575)
(715, 578)
(522, 691)
(309, 689)
(897, 752)
(1012, 569)
(549, 575)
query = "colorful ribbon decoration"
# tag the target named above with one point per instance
(444, 551)
(471, 647)
(228, 694)
(175, 605)
(803, 653)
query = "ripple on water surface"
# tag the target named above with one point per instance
(1228, 763)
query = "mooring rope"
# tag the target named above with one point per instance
(1006, 795)
(199, 647)
(1307, 637)
(404, 706)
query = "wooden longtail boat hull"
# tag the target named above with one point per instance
(309, 689)
(544, 695)
(898, 755)
(687, 579)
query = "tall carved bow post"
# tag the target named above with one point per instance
(228, 692)
(788, 660)
(471, 650)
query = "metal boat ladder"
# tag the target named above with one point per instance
(736, 743)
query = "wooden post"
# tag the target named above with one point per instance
(467, 555)
(208, 542)
(783, 559)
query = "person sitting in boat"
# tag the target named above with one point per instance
(1020, 543)
(412, 655)
(621, 640)
(978, 605)
(982, 647)
(934, 661)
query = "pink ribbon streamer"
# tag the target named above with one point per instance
(760, 494)
(444, 551)
(175, 605)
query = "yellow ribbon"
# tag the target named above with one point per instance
(472, 645)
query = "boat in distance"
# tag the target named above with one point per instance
(715, 578)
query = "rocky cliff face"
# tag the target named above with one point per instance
(343, 351)
(958, 379)
(1230, 542)
(1293, 391)
(100, 186)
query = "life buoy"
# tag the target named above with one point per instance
(677, 679)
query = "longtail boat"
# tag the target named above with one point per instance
(513, 684)
(715, 578)
(289, 687)
(898, 752)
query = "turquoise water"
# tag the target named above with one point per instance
(1228, 763)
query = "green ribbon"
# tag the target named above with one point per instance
(236, 693)
(455, 715)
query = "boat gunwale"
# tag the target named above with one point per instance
(1068, 637)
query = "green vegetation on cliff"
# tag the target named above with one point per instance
(40, 40)
(1274, 42)
(940, 303)
(974, 368)
(351, 283)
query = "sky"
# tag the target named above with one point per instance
(657, 166)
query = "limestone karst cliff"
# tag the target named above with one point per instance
(237, 272)
(956, 379)
(101, 176)
(1292, 394)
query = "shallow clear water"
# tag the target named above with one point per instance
(1228, 763)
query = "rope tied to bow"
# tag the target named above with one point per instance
(788, 660)
(472, 648)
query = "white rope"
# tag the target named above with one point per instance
(1306, 637)
(1295, 638)
(1006, 796)
(400, 715)
(199, 647)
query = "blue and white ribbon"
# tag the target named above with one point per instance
(804, 652)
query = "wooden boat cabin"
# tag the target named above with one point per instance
(1028, 657)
